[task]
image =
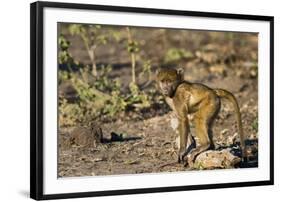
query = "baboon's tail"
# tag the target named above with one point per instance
(229, 96)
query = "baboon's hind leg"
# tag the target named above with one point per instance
(203, 141)
(203, 120)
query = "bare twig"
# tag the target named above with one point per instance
(133, 55)
(167, 164)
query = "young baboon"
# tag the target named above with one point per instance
(203, 102)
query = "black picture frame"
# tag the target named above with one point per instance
(37, 101)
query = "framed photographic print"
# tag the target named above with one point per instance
(134, 100)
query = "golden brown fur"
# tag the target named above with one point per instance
(203, 102)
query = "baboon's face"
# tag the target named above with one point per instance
(168, 80)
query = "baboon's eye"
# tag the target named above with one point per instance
(166, 80)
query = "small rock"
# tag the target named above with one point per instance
(224, 131)
(98, 159)
(231, 139)
(131, 162)
(67, 91)
(86, 136)
(253, 73)
(218, 69)
(243, 87)
(208, 57)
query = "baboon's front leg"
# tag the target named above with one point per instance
(183, 133)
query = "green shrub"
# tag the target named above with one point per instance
(177, 54)
(92, 38)
(255, 125)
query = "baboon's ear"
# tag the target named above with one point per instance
(180, 72)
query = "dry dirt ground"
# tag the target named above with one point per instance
(149, 145)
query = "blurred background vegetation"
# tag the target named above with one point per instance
(106, 72)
